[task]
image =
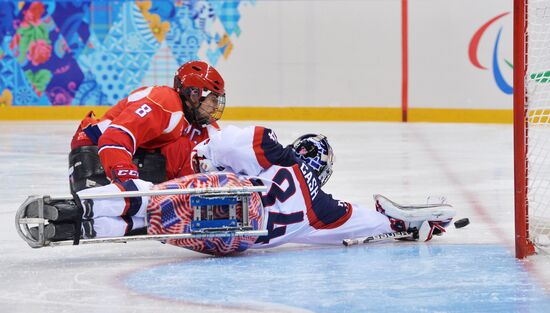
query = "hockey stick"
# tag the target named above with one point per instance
(375, 238)
(163, 237)
(166, 192)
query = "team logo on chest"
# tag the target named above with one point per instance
(192, 132)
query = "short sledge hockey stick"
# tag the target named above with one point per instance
(381, 237)
(162, 237)
(166, 192)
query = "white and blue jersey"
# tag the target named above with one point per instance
(297, 210)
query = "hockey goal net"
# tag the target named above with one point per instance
(532, 126)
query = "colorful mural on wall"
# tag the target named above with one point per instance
(96, 52)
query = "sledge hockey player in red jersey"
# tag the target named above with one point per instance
(152, 127)
(293, 209)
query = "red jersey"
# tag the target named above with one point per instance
(149, 118)
(178, 152)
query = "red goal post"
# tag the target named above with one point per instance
(532, 126)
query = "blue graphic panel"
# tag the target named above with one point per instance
(8, 12)
(94, 52)
(377, 278)
(14, 81)
(184, 38)
(73, 21)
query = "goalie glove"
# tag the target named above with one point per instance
(429, 229)
(200, 163)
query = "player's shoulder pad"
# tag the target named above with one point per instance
(139, 89)
(268, 134)
(267, 145)
(165, 97)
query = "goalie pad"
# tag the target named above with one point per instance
(423, 220)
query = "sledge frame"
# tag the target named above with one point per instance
(244, 193)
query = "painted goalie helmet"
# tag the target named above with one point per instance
(316, 152)
(202, 91)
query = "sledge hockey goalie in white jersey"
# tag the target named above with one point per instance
(297, 209)
(293, 208)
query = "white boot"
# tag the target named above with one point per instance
(423, 220)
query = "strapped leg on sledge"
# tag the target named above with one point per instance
(57, 221)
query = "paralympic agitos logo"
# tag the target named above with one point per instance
(501, 82)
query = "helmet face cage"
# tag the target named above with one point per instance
(217, 111)
(196, 112)
(317, 153)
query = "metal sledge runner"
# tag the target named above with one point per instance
(202, 201)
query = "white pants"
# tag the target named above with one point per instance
(115, 217)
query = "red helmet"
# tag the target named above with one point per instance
(194, 82)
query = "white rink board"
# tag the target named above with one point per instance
(348, 53)
(316, 53)
(441, 74)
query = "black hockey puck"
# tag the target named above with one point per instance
(462, 222)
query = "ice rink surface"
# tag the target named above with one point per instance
(467, 270)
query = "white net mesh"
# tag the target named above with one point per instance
(537, 85)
